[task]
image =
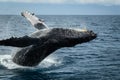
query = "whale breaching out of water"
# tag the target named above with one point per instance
(38, 45)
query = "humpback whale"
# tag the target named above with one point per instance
(37, 46)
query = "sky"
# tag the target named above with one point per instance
(61, 7)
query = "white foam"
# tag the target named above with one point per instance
(6, 61)
(50, 61)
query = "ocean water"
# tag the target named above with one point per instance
(96, 60)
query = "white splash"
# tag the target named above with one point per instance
(6, 61)
(50, 61)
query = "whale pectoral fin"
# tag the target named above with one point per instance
(19, 42)
(35, 21)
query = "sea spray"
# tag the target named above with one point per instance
(6, 61)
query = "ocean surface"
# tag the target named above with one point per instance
(96, 60)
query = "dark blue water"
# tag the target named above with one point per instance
(95, 60)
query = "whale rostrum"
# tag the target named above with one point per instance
(40, 44)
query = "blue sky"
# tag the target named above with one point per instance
(61, 7)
